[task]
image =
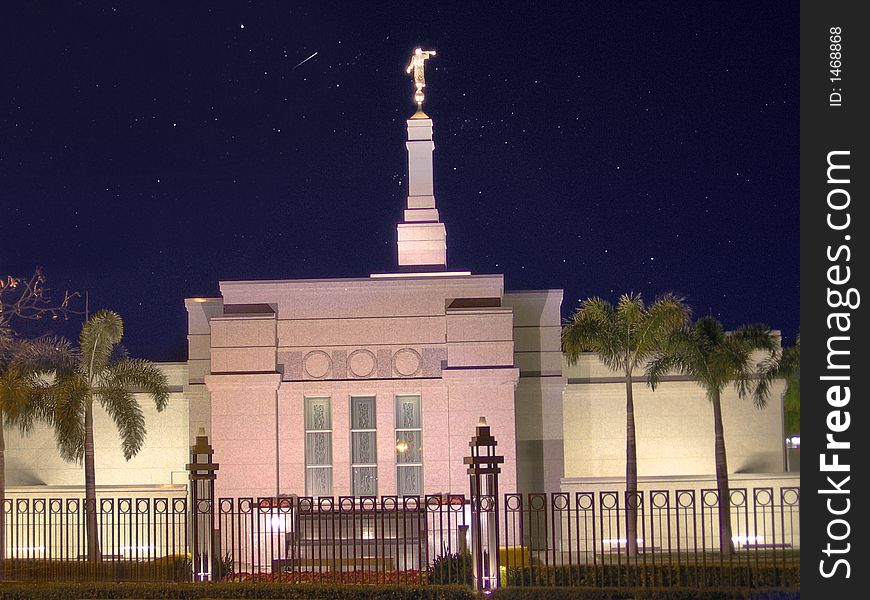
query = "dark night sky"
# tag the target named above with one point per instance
(148, 151)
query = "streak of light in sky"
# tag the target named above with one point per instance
(305, 61)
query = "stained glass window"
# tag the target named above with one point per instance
(363, 446)
(409, 446)
(318, 447)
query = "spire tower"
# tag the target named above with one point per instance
(422, 237)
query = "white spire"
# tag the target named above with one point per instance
(422, 237)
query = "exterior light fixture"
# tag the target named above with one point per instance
(484, 466)
(202, 475)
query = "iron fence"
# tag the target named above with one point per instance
(140, 539)
(579, 539)
(556, 539)
(364, 539)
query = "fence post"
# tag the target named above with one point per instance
(483, 471)
(202, 475)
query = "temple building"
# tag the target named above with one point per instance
(373, 386)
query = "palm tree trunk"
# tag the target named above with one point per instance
(725, 543)
(630, 472)
(90, 484)
(2, 498)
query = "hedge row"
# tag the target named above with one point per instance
(167, 568)
(64, 591)
(655, 576)
(548, 593)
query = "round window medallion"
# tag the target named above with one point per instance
(362, 363)
(407, 362)
(317, 364)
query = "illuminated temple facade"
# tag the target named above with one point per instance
(373, 386)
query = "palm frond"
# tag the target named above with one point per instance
(757, 337)
(754, 380)
(125, 411)
(778, 364)
(104, 373)
(49, 355)
(658, 367)
(677, 353)
(141, 375)
(716, 358)
(761, 391)
(743, 382)
(98, 338)
(709, 331)
(14, 393)
(664, 316)
(604, 334)
(792, 401)
(24, 384)
(36, 407)
(597, 310)
(68, 399)
(588, 329)
(789, 361)
(630, 310)
(625, 336)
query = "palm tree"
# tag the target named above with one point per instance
(625, 337)
(98, 374)
(716, 359)
(790, 367)
(23, 399)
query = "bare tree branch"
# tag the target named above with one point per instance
(28, 298)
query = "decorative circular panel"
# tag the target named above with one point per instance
(407, 362)
(317, 364)
(362, 363)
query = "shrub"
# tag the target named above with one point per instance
(359, 577)
(538, 593)
(166, 568)
(63, 591)
(451, 569)
(659, 575)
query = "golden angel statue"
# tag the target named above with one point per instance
(417, 64)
